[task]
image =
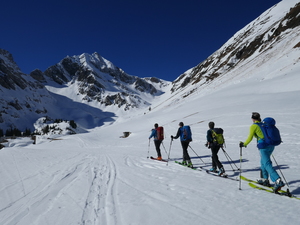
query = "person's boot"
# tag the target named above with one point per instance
(278, 185)
(190, 164)
(213, 169)
(264, 182)
(221, 171)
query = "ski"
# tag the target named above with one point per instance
(162, 160)
(287, 194)
(255, 182)
(225, 175)
(193, 168)
(209, 172)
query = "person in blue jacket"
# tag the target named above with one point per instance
(157, 142)
(185, 144)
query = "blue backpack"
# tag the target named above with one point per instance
(271, 133)
(186, 134)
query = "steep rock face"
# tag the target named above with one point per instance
(10, 74)
(22, 97)
(258, 37)
(97, 79)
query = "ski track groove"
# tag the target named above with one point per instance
(28, 178)
(100, 207)
(131, 163)
(43, 194)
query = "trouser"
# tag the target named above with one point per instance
(266, 164)
(157, 144)
(185, 145)
(214, 155)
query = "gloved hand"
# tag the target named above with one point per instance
(242, 145)
(207, 145)
(172, 137)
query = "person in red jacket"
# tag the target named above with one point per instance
(157, 142)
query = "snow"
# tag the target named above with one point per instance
(99, 178)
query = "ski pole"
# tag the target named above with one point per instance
(228, 159)
(240, 187)
(280, 171)
(164, 148)
(148, 149)
(197, 155)
(227, 156)
(169, 150)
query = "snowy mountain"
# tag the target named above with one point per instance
(97, 79)
(270, 39)
(23, 99)
(71, 90)
(99, 178)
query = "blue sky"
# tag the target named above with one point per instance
(160, 38)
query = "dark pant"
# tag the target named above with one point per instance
(185, 145)
(215, 159)
(157, 147)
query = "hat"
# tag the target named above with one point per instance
(255, 116)
(181, 124)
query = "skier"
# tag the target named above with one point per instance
(185, 135)
(157, 142)
(215, 147)
(265, 154)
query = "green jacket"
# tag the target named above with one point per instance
(256, 132)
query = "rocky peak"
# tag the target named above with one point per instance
(10, 74)
(97, 79)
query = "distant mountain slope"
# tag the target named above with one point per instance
(97, 79)
(264, 41)
(23, 99)
(71, 90)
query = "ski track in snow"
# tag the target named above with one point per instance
(100, 205)
(99, 208)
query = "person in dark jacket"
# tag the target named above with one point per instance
(214, 150)
(157, 142)
(185, 144)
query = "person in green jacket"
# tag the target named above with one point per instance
(265, 154)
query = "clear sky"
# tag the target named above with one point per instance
(160, 38)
